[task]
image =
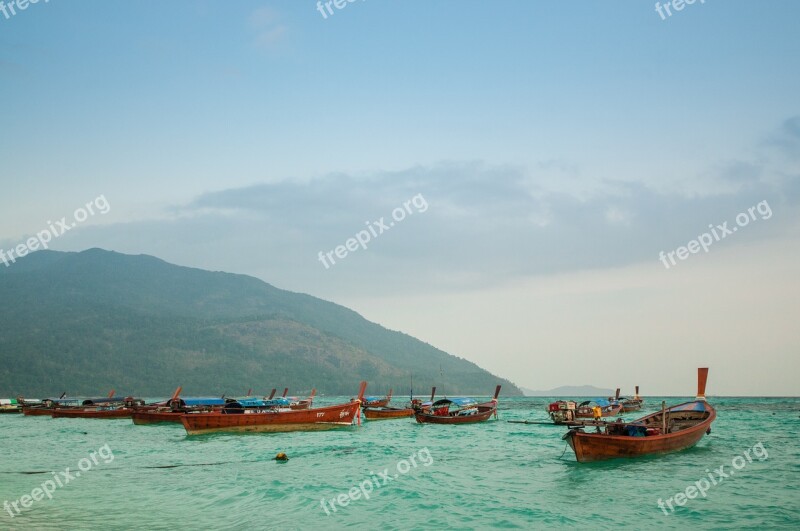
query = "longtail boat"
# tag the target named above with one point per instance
(375, 401)
(174, 408)
(632, 404)
(386, 413)
(240, 420)
(46, 406)
(597, 408)
(418, 404)
(458, 411)
(303, 403)
(100, 410)
(174, 411)
(669, 430)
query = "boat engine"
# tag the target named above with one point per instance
(562, 411)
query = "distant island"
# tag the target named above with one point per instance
(571, 390)
(88, 322)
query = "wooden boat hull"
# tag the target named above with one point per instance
(316, 419)
(387, 413)
(627, 408)
(121, 413)
(141, 418)
(10, 410)
(377, 403)
(37, 411)
(483, 414)
(598, 446)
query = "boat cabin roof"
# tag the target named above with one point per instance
(458, 401)
(257, 402)
(373, 398)
(602, 402)
(201, 401)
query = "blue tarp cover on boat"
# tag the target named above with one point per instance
(250, 402)
(202, 401)
(692, 406)
(277, 402)
(459, 401)
(602, 402)
(633, 430)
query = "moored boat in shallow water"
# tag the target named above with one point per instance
(632, 404)
(598, 408)
(458, 411)
(386, 413)
(244, 419)
(100, 410)
(302, 403)
(376, 401)
(174, 408)
(669, 430)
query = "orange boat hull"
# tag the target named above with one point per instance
(484, 413)
(385, 414)
(122, 413)
(155, 417)
(323, 418)
(37, 411)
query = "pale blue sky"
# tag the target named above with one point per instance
(559, 141)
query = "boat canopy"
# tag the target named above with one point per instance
(277, 402)
(64, 401)
(102, 400)
(373, 398)
(246, 402)
(700, 405)
(256, 403)
(458, 401)
(211, 401)
(602, 402)
(8, 401)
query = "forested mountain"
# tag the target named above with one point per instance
(95, 320)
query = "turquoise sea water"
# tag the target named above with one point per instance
(491, 475)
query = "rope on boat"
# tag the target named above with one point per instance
(565, 450)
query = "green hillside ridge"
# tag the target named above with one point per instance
(90, 321)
